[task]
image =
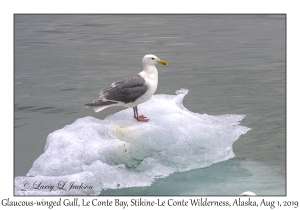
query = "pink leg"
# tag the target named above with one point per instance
(140, 118)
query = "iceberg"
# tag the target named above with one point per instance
(91, 154)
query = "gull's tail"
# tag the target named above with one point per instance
(99, 105)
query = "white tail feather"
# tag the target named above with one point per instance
(100, 108)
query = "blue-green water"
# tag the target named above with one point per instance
(231, 64)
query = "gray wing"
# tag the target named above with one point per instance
(126, 90)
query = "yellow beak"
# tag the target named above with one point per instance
(162, 62)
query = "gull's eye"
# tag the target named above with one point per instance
(152, 58)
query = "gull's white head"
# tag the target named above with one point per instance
(152, 60)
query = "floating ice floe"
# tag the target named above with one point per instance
(119, 152)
